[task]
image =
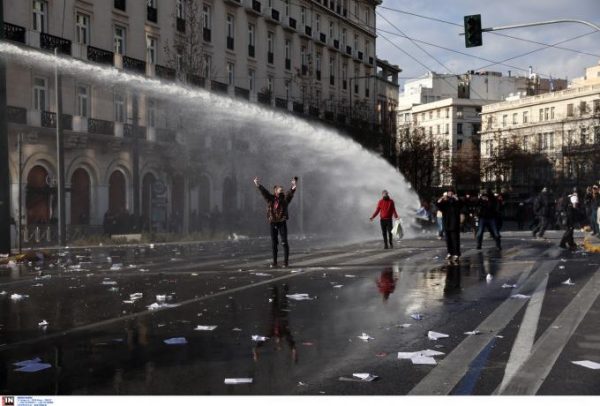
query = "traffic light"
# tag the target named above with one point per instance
(473, 31)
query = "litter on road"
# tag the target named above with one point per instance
(205, 328)
(156, 306)
(176, 341)
(587, 364)
(31, 365)
(237, 381)
(364, 376)
(300, 296)
(432, 335)
(259, 339)
(416, 316)
(16, 296)
(568, 282)
(508, 286)
(43, 323)
(424, 357)
(365, 337)
(520, 296)
(473, 333)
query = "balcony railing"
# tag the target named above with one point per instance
(281, 103)
(100, 56)
(120, 5)
(165, 73)
(180, 24)
(298, 107)
(230, 43)
(206, 34)
(14, 32)
(218, 87)
(292, 23)
(152, 14)
(323, 38)
(50, 42)
(166, 135)
(264, 98)
(275, 14)
(129, 131)
(251, 50)
(134, 65)
(242, 93)
(96, 126)
(17, 115)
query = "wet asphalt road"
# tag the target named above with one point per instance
(99, 343)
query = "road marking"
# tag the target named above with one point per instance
(523, 344)
(444, 377)
(532, 374)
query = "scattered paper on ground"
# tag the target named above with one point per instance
(31, 365)
(299, 296)
(205, 328)
(520, 296)
(43, 323)
(568, 282)
(237, 381)
(473, 333)
(259, 339)
(432, 335)
(176, 341)
(365, 337)
(424, 357)
(16, 296)
(587, 364)
(337, 286)
(156, 306)
(507, 286)
(363, 376)
(416, 316)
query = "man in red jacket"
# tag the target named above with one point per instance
(386, 209)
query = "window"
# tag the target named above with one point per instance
(119, 40)
(151, 50)
(287, 89)
(151, 3)
(180, 9)
(459, 144)
(541, 115)
(367, 18)
(525, 117)
(331, 30)
(430, 130)
(504, 120)
(343, 37)
(251, 39)
(447, 112)
(206, 20)
(583, 135)
(597, 105)
(318, 24)
(437, 129)
(270, 84)
(83, 101)
(597, 135)
(447, 131)
(514, 118)
(551, 140)
(288, 54)
(570, 110)
(251, 79)
(332, 70)
(552, 113)
(151, 111)
(547, 113)
(582, 108)
(437, 113)
(431, 115)
(39, 94)
(459, 128)
(302, 15)
(207, 65)
(39, 16)
(230, 74)
(270, 42)
(287, 8)
(459, 112)
(229, 26)
(83, 29)
(303, 55)
(318, 62)
(120, 116)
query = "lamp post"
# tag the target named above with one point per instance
(60, 159)
(5, 223)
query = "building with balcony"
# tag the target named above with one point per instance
(299, 56)
(556, 137)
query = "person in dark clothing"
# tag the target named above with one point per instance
(543, 209)
(386, 209)
(277, 214)
(592, 202)
(488, 212)
(574, 217)
(450, 206)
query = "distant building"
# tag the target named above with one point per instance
(556, 134)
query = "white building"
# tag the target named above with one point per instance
(558, 133)
(309, 57)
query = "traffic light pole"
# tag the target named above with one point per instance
(508, 27)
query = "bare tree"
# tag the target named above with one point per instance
(415, 156)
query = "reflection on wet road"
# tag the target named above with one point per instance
(109, 312)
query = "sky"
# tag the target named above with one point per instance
(558, 63)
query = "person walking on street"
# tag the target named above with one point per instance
(574, 216)
(386, 209)
(277, 214)
(543, 209)
(451, 206)
(488, 213)
(592, 203)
